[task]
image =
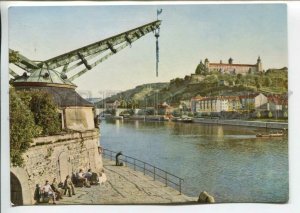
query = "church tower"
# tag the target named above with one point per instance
(259, 65)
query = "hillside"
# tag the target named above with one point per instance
(273, 81)
(135, 96)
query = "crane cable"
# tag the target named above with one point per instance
(158, 12)
(157, 50)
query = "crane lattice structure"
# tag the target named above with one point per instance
(86, 57)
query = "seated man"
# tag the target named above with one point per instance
(47, 192)
(56, 189)
(68, 186)
(81, 179)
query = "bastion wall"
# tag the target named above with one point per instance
(55, 157)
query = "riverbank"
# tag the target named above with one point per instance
(126, 186)
(261, 124)
(236, 122)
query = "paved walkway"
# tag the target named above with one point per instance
(126, 186)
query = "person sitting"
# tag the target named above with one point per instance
(56, 189)
(94, 179)
(88, 174)
(47, 192)
(81, 179)
(102, 178)
(37, 193)
(68, 186)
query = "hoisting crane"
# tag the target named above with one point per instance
(84, 57)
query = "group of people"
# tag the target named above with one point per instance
(55, 191)
(90, 178)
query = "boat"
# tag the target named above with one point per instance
(278, 134)
(182, 119)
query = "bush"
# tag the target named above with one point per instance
(22, 127)
(32, 113)
(45, 111)
(258, 115)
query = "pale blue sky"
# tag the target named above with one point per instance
(189, 33)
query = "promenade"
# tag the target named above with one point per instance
(126, 186)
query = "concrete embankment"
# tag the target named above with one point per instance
(261, 124)
(126, 186)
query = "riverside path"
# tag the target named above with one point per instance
(126, 186)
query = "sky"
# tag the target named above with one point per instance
(189, 33)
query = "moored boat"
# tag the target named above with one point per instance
(278, 134)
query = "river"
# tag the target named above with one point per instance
(229, 162)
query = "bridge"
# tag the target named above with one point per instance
(118, 111)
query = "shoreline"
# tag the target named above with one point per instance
(260, 124)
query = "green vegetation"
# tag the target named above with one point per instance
(22, 127)
(135, 98)
(45, 111)
(32, 113)
(273, 81)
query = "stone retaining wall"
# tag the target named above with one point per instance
(57, 156)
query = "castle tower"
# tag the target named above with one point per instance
(259, 65)
(206, 63)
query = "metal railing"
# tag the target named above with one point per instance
(158, 174)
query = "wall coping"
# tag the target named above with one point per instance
(63, 137)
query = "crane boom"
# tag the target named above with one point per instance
(82, 55)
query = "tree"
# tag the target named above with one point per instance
(45, 111)
(268, 81)
(270, 115)
(22, 127)
(212, 79)
(258, 115)
(258, 85)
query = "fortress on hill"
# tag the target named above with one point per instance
(229, 67)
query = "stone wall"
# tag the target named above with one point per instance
(57, 156)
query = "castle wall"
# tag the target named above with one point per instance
(228, 68)
(57, 156)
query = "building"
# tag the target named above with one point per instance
(234, 103)
(229, 67)
(228, 103)
(253, 101)
(276, 103)
(209, 104)
(112, 104)
(75, 112)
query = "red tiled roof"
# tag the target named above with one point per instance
(277, 99)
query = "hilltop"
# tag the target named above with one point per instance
(272, 81)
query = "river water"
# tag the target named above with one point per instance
(229, 162)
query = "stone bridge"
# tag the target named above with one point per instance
(118, 111)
